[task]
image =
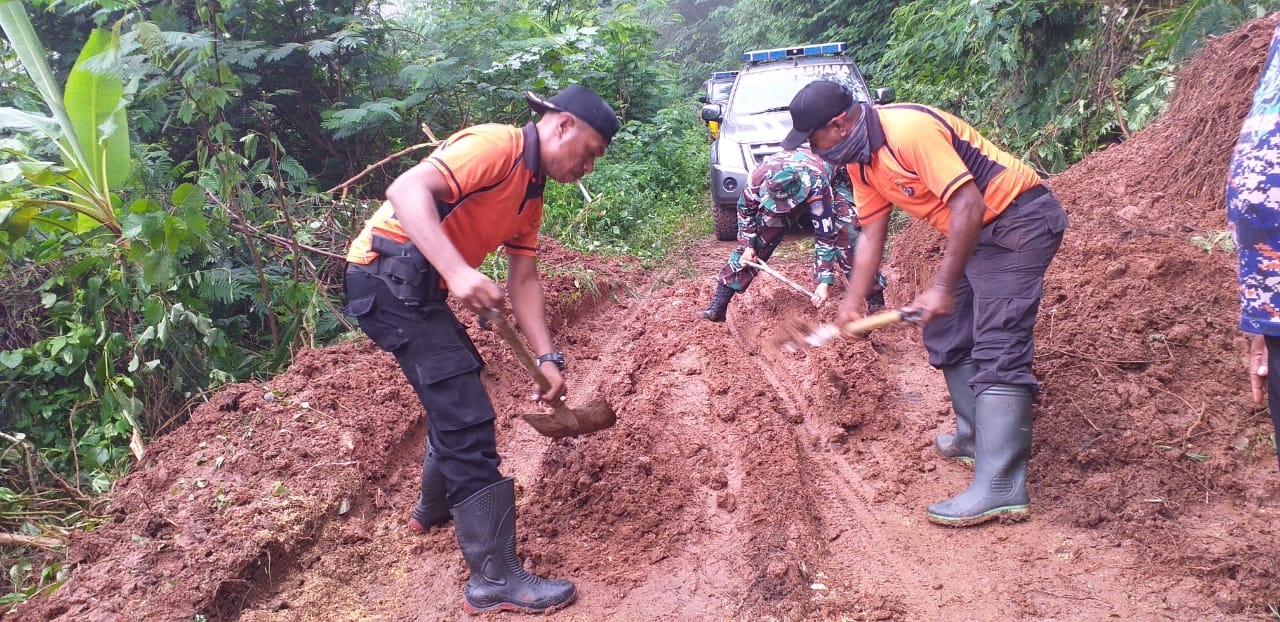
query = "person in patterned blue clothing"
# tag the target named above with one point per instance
(786, 186)
(1253, 213)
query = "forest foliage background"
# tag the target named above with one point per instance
(178, 180)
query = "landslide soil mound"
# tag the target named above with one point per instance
(745, 483)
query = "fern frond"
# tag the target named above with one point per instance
(349, 40)
(226, 286)
(292, 169)
(283, 52)
(321, 48)
(152, 42)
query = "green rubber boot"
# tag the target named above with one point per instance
(959, 446)
(1002, 443)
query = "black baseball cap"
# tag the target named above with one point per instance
(816, 104)
(580, 102)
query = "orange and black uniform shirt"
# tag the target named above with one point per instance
(921, 155)
(495, 196)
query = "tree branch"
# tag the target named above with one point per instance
(13, 539)
(369, 169)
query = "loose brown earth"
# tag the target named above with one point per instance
(743, 483)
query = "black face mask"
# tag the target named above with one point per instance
(854, 147)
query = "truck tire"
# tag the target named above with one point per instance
(725, 222)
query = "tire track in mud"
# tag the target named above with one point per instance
(766, 407)
(873, 487)
(845, 520)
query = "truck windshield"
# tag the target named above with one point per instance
(772, 89)
(720, 90)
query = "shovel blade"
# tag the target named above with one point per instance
(565, 421)
(797, 334)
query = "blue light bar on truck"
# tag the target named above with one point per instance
(723, 74)
(820, 49)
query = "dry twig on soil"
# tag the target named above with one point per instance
(13, 539)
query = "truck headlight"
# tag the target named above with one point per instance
(729, 156)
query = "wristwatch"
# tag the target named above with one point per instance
(554, 357)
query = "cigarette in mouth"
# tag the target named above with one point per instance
(585, 194)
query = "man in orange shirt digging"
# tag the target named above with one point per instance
(1003, 228)
(480, 190)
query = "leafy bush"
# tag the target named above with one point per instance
(644, 191)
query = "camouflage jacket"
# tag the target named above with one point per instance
(790, 180)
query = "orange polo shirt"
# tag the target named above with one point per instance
(919, 157)
(494, 198)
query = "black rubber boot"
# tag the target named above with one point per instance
(432, 509)
(719, 304)
(486, 527)
(1002, 439)
(959, 446)
(875, 302)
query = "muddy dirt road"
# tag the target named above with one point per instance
(743, 483)
(740, 483)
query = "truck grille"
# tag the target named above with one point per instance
(761, 151)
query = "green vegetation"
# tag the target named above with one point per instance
(178, 182)
(644, 191)
(1214, 240)
(1052, 80)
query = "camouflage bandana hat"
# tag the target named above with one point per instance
(789, 178)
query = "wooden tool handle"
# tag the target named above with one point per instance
(872, 322)
(522, 353)
(760, 265)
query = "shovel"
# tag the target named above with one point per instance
(764, 267)
(798, 335)
(563, 421)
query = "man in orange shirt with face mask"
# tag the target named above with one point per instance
(481, 190)
(1003, 227)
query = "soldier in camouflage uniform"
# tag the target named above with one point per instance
(780, 191)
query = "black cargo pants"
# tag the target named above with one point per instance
(996, 300)
(443, 367)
